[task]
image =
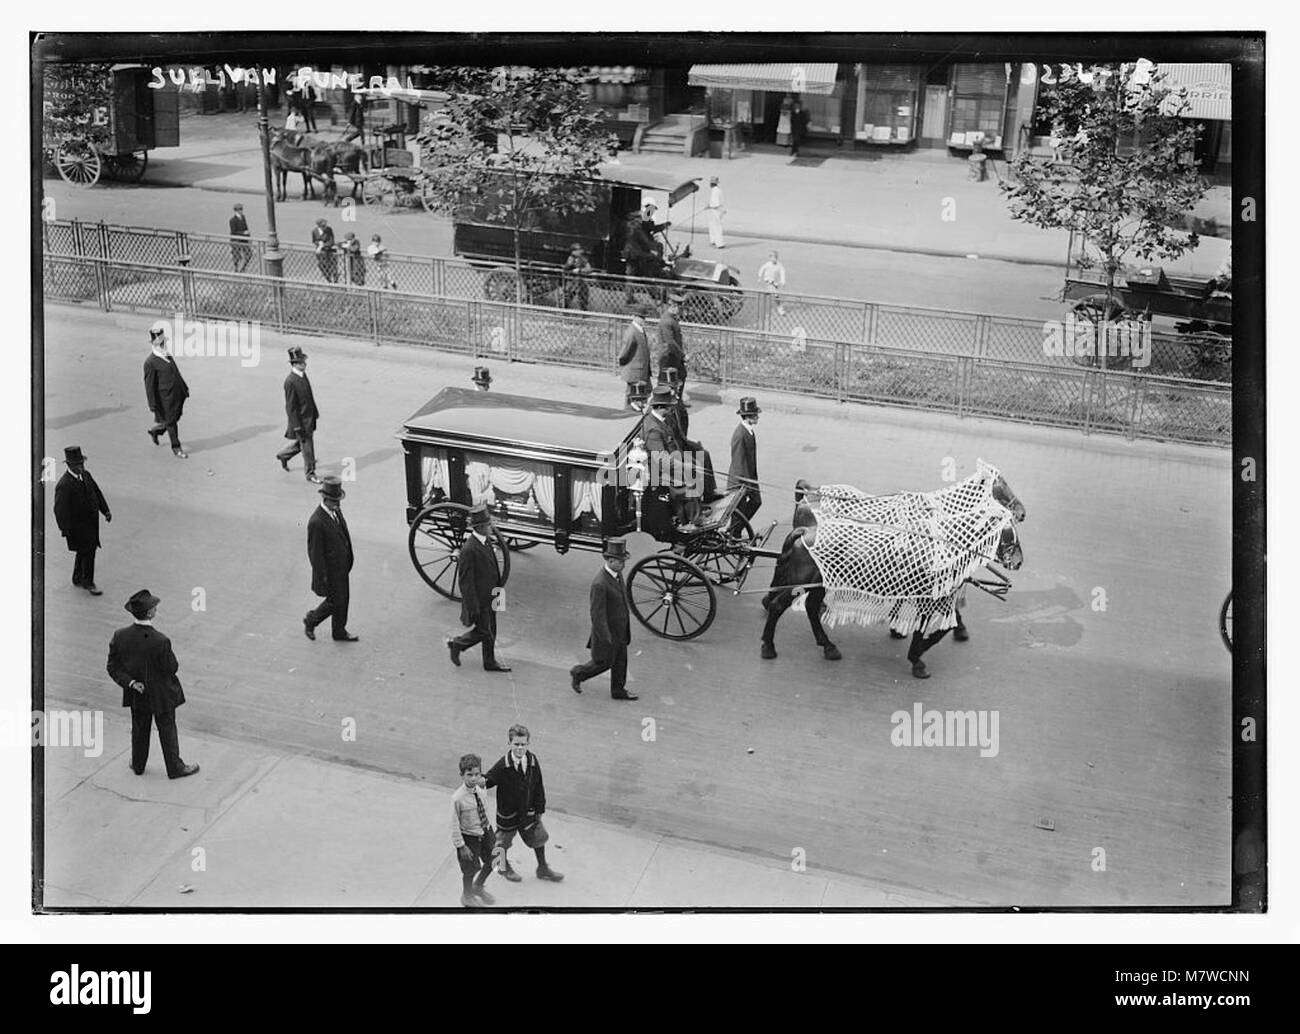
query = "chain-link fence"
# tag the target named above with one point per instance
(1204, 357)
(1063, 394)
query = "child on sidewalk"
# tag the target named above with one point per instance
(771, 274)
(521, 800)
(379, 255)
(471, 833)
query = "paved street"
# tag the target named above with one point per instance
(1104, 663)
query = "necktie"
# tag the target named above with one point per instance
(482, 812)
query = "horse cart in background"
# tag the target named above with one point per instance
(394, 177)
(532, 463)
(100, 119)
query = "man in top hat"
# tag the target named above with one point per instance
(479, 576)
(240, 252)
(634, 360)
(482, 378)
(744, 458)
(669, 461)
(140, 660)
(672, 351)
(166, 391)
(329, 548)
(300, 409)
(611, 631)
(78, 502)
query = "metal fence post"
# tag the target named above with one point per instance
(373, 302)
(101, 230)
(100, 266)
(187, 285)
(980, 344)
(843, 356)
(78, 244)
(183, 245)
(439, 274)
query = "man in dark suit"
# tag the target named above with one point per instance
(671, 460)
(634, 360)
(744, 458)
(300, 409)
(327, 260)
(479, 576)
(78, 502)
(166, 391)
(241, 254)
(672, 350)
(140, 660)
(611, 630)
(329, 548)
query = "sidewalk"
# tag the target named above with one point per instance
(269, 831)
(919, 203)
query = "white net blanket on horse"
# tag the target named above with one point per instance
(904, 558)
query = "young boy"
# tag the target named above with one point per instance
(521, 800)
(471, 833)
(379, 254)
(771, 274)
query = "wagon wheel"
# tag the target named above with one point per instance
(1103, 308)
(378, 191)
(519, 545)
(1225, 622)
(723, 555)
(436, 537)
(127, 168)
(427, 196)
(671, 596)
(499, 286)
(1213, 351)
(78, 162)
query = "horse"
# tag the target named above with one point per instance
(796, 567)
(315, 160)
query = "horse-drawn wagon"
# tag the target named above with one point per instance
(100, 119)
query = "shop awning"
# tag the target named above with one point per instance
(819, 79)
(1209, 89)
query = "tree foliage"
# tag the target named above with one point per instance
(1125, 171)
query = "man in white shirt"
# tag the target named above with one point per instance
(715, 212)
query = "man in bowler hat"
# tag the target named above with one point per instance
(744, 458)
(300, 409)
(329, 548)
(611, 631)
(634, 360)
(140, 660)
(78, 502)
(479, 576)
(166, 391)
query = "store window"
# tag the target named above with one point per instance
(888, 103)
(823, 111)
(979, 100)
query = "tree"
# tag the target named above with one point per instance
(514, 145)
(1125, 172)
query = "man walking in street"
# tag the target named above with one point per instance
(322, 237)
(479, 576)
(672, 350)
(743, 472)
(240, 252)
(329, 548)
(611, 631)
(78, 502)
(634, 360)
(140, 660)
(714, 213)
(166, 391)
(302, 414)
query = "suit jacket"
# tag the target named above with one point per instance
(517, 795)
(142, 653)
(164, 387)
(634, 360)
(672, 350)
(744, 461)
(238, 226)
(329, 548)
(77, 506)
(660, 435)
(299, 407)
(478, 573)
(610, 626)
(323, 237)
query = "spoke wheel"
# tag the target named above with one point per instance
(519, 545)
(1225, 622)
(128, 168)
(435, 541)
(377, 191)
(723, 555)
(1101, 309)
(426, 194)
(499, 286)
(78, 163)
(671, 596)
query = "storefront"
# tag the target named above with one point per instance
(1209, 102)
(977, 108)
(888, 105)
(744, 101)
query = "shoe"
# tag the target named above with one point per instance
(510, 874)
(832, 652)
(93, 589)
(470, 901)
(496, 667)
(896, 635)
(545, 872)
(311, 477)
(573, 680)
(153, 434)
(307, 627)
(455, 652)
(768, 653)
(919, 670)
(137, 771)
(624, 696)
(283, 463)
(483, 895)
(346, 637)
(186, 770)
(181, 454)
(960, 634)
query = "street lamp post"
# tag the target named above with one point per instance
(274, 259)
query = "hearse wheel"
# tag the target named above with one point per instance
(671, 596)
(436, 537)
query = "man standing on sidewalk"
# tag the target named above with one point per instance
(166, 391)
(479, 575)
(300, 409)
(140, 660)
(329, 548)
(240, 252)
(78, 502)
(326, 258)
(611, 631)
(715, 212)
